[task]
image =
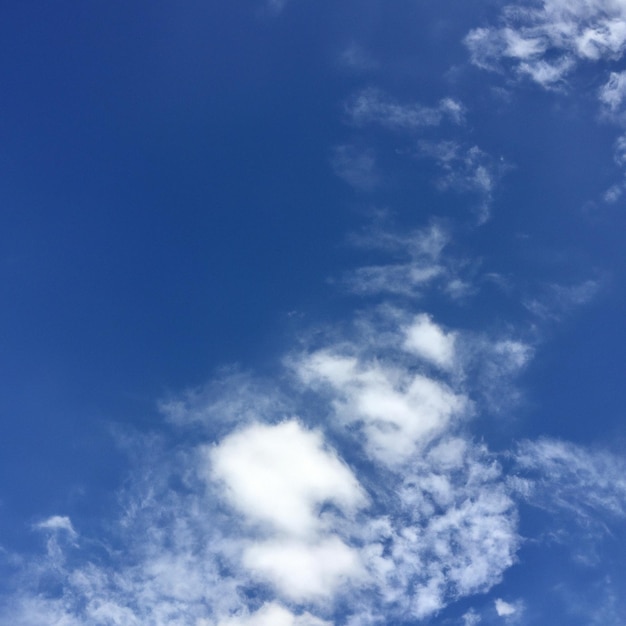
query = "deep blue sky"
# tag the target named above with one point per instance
(182, 188)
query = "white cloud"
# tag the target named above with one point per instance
(613, 91)
(282, 474)
(272, 614)
(548, 40)
(428, 341)
(511, 355)
(218, 533)
(457, 534)
(303, 571)
(471, 618)
(504, 609)
(620, 150)
(395, 411)
(57, 523)
(372, 106)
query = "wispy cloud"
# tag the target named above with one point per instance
(357, 166)
(276, 6)
(371, 106)
(231, 398)
(471, 618)
(465, 169)
(588, 485)
(57, 523)
(613, 92)
(554, 301)
(357, 59)
(417, 263)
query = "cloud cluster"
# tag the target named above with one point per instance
(394, 412)
(463, 168)
(546, 40)
(348, 490)
(361, 500)
(271, 522)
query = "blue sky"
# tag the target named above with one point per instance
(313, 313)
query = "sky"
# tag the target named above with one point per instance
(313, 313)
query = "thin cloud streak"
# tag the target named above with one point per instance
(371, 106)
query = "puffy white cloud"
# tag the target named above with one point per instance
(504, 609)
(272, 614)
(427, 340)
(282, 474)
(304, 571)
(396, 411)
(546, 41)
